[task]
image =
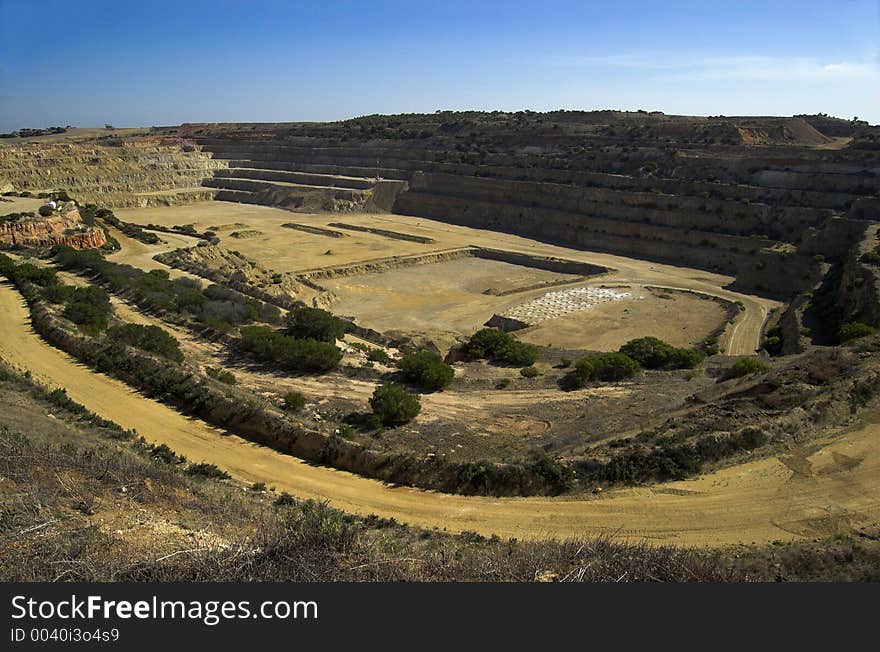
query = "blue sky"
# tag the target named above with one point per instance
(147, 63)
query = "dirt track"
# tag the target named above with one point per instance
(831, 487)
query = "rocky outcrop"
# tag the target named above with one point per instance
(63, 227)
(233, 270)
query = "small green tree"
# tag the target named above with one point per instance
(304, 322)
(426, 369)
(393, 405)
(607, 367)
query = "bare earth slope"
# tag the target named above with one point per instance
(810, 493)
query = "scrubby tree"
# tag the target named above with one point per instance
(304, 322)
(426, 369)
(290, 352)
(607, 367)
(500, 347)
(148, 338)
(393, 405)
(654, 353)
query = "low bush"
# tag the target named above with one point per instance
(222, 375)
(206, 470)
(500, 347)
(854, 330)
(284, 500)
(378, 355)
(744, 367)
(313, 323)
(90, 318)
(289, 352)
(393, 405)
(654, 353)
(293, 401)
(606, 367)
(426, 369)
(163, 453)
(773, 342)
(148, 338)
(529, 372)
(870, 258)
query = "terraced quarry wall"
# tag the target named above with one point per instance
(140, 171)
(751, 197)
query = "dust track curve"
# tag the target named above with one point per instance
(758, 501)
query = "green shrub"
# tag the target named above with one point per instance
(58, 293)
(289, 352)
(393, 405)
(426, 369)
(565, 362)
(215, 306)
(854, 330)
(294, 401)
(378, 355)
(504, 383)
(303, 322)
(285, 500)
(29, 272)
(529, 372)
(221, 375)
(870, 258)
(90, 318)
(163, 453)
(744, 367)
(606, 367)
(148, 338)
(206, 470)
(500, 347)
(653, 353)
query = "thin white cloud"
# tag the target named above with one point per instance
(681, 67)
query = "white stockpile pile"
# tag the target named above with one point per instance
(562, 302)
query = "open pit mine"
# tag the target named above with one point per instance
(655, 328)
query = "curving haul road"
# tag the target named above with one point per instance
(832, 487)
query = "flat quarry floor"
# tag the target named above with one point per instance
(442, 299)
(448, 295)
(678, 318)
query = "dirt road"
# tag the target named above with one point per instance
(833, 486)
(138, 254)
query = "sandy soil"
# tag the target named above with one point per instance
(605, 327)
(446, 296)
(282, 249)
(830, 487)
(19, 204)
(137, 254)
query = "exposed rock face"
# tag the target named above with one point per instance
(64, 227)
(764, 199)
(140, 171)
